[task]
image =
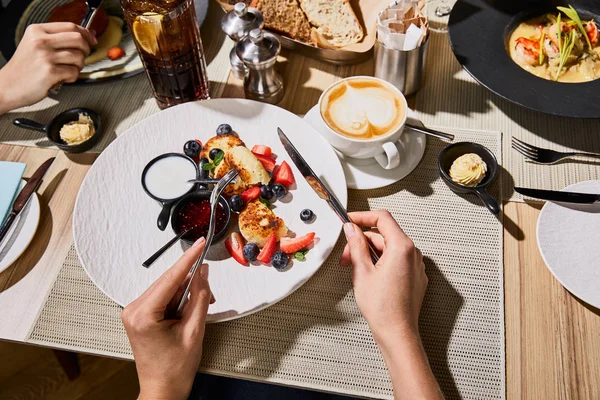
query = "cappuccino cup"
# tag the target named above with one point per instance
(364, 118)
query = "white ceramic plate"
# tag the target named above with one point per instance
(368, 174)
(21, 233)
(114, 221)
(568, 236)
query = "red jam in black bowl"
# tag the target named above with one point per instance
(195, 214)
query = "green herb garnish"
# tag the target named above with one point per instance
(218, 158)
(265, 202)
(301, 255)
(571, 13)
(565, 52)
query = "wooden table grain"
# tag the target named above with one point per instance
(552, 338)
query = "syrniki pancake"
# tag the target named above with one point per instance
(257, 222)
(251, 171)
(222, 142)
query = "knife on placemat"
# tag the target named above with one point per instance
(317, 185)
(565, 197)
(23, 197)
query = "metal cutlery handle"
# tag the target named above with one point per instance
(166, 247)
(214, 200)
(345, 219)
(431, 132)
(589, 155)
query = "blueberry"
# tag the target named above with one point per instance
(213, 153)
(279, 190)
(279, 260)
(266, 192)
(224, 129)
(191, 148)
(236, 203)
(251, 251)
(307, 215)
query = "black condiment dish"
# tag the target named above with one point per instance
(167, 204)
(196, 197)
(52, 130)
(202, 193)
(452, 152)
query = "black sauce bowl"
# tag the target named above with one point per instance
(167, 204)
(52, 130)
(195, 197)
(452, 152)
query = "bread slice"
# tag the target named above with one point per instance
(334, 20)
(286, 17)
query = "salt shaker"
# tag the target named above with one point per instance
(237, 24)
(259, 51)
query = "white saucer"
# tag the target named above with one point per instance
(21, 233)
(568, 237)
(367, 173)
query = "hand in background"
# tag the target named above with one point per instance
(48, 54)
(389, 294)
(167, 352)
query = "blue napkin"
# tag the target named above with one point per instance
(10, 179)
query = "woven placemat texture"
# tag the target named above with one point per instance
(451, 97)
(316, 337)
(120, 103)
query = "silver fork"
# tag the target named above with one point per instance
(214, 201)
(546, 156)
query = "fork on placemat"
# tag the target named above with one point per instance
(546, 156)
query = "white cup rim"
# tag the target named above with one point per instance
(377, 139)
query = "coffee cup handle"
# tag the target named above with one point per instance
(390, 158)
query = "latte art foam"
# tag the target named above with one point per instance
(362, 108)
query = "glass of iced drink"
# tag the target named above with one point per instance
(167, 37)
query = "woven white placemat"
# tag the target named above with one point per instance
(451, 97)
(316, 338)
(120, 103)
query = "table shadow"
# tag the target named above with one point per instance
(29, 259)
(260, 356)
(439, 313)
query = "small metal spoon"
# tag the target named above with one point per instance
(431, 132)
(166, 247)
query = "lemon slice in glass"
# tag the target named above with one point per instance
(146, 29)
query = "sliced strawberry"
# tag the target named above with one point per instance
(268, 250)
(114, 53)
(262, 150)
(292, 245)
(250, 194)
(284, 175)
(266, 161)
(235, 246)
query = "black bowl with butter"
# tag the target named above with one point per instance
(52, 130)
(456, 150)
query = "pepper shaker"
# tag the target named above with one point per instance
(237, 24)
(259, 51)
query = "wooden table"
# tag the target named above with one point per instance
(552, 338)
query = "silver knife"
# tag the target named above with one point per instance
(317, 185)
(24, 195)
(565, 197)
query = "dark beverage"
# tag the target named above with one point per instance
(168, 40)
